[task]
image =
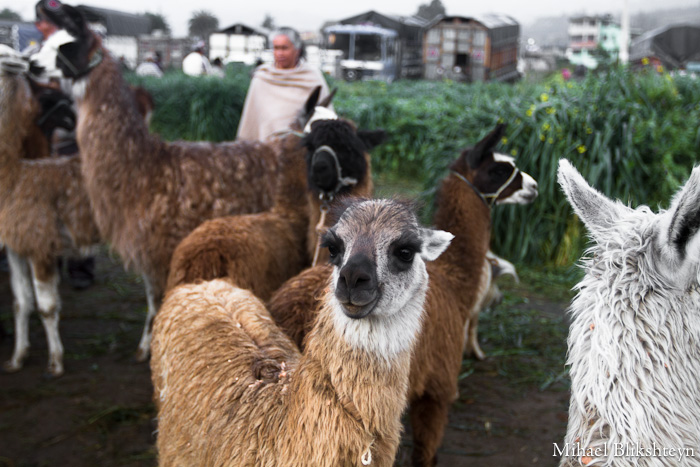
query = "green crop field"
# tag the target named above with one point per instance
(633, 135)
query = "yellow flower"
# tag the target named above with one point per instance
(581, 149)
(500, 120)
(569, 85)
(518, 121)
(504, 140)
(589, 131)
(551, 110)
(544, 97)
(660, 69)
(545, 127)
(550, 140)
(645, 61)
(529, 113)
(513, 152)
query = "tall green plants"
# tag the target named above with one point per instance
(634, 135)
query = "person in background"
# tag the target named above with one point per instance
(149, 67)
(277, 91)
(196, 63)
(217, 68)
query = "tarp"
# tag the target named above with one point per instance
(19, 35)
(674, 45)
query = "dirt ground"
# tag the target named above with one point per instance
(100, 412)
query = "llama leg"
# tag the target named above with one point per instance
(428, 419)
(48, 301)
(473, 347)
(154, 295)
(21, 282)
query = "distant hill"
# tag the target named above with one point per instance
(552, 30)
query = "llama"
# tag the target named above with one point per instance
(260, 251)
(44, 212)
(457, 286)
(490, 295)
(634, 340)
(146, 194)
(232, 389)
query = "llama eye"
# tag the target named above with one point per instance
(333, 251)
(405, 254)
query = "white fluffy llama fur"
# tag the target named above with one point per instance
(634, 341)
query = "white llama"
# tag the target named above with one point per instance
(634, 342)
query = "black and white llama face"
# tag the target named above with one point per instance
(379, 251)
(67, 53)
(629, 240)
(495, 175)
(336, 155)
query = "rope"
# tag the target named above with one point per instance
(320, 228)
(492, 196)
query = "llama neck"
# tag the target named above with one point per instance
(462, 212)
(291, 191)
(630, 338)
(17, 109)
(364, 189)
(373, 386)
(109, 125)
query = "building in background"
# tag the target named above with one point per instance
(120, 31)
(675, 47)
(472, 49)
(238, 43)
(592, 36)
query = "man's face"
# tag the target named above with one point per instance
(46, 28)
(286, 56)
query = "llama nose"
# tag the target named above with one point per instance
(357, 282)
(324, 173)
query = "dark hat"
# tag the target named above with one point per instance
(43, 6)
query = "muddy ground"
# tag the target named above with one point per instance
(100, 412)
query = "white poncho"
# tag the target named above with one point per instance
(274, 98)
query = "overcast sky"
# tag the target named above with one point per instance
(309, 15)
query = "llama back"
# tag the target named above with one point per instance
(243, 362)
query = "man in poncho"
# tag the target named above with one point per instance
(278, 91)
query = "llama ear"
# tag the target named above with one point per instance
(371, 139)
(485, 147)
(685, 215)
(434, 243)
(597, 212)
(311, 102)
(327, 101)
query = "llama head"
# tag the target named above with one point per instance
(315, 110)
(494, 175)
(71, 52)
(336, 155)
(667, 243)
(379, 279)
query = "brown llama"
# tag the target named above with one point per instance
(44, 211)
(146, 194)
(232, 389)
(260, 251)
(457, 285)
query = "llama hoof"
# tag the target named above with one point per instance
(141, 356)
(11, 366)
(50, 375)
